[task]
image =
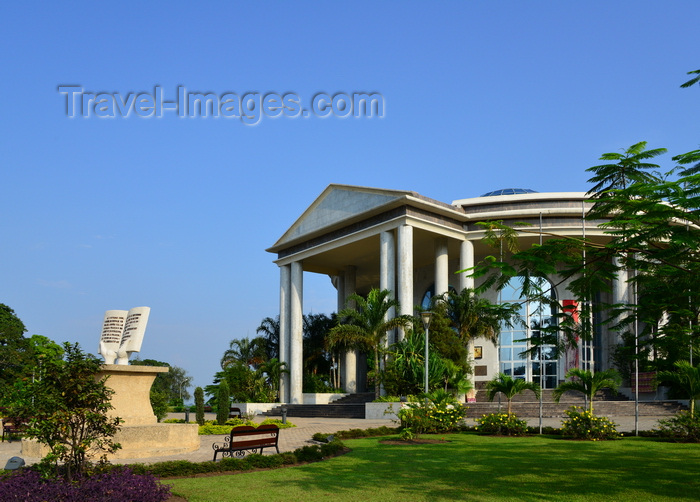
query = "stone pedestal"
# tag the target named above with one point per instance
(132, 392)
(141, 435)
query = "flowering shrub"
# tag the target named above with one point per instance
(585, 425)
(441, 413)
(117, 485)
(501, 424)
(682, 427)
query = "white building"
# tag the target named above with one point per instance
(400, 240)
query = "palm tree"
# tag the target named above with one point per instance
(693, 80)
(365, 326)
(510, 387)
(473, 317)
(685, 379)
(274, 368)
(588, 383)
(315, 328)
(246, 351)
(269, 330)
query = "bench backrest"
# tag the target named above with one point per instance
(246, 435)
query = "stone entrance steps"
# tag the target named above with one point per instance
(320, 410)
(525, 405)
(530, 409)
(350, 406)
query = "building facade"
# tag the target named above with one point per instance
(365, 238)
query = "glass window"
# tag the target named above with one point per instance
(516, 343)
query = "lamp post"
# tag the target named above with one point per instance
(425, 317)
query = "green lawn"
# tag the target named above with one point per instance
(473, 467)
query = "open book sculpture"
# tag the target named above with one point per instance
(122, 334)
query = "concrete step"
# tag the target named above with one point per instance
(359, 398)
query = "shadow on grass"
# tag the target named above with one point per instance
(472, 467)
(532, 468)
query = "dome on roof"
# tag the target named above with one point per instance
(508, 191)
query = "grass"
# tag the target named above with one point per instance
(472, 467)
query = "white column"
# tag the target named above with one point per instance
(387, 272)
(405, 271)
(285, 295)
(441, 266)
(296, 368)
(466, 260)
(620, 295)
(350, 359)
(340, 294)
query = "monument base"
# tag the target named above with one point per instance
(140, 435)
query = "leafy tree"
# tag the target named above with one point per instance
(685, 380)
(365, 326)
(510, 387)
(629, 168)
(168, 389)
(223, 403)
(159, 403)
(44, 348)
(444, 338)
(653, 229)
(15, 349)
(67, 410)
(199, 405)
(588, 383)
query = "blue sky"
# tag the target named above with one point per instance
(176, 213)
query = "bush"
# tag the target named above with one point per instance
(222, 403)
(387, 399)
(501, 424)
(211, 428)
(278, 423)
(442, 413)
(548, 430)
(117, 485)
(585, 425)
(683, 427)
(199, 405)
(309, 453)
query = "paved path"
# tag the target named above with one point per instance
(296, 437)
(290, 439)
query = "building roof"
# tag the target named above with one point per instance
(509, 191)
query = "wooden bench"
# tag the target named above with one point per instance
(10, 427)
(246, 438)
(234, 413)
